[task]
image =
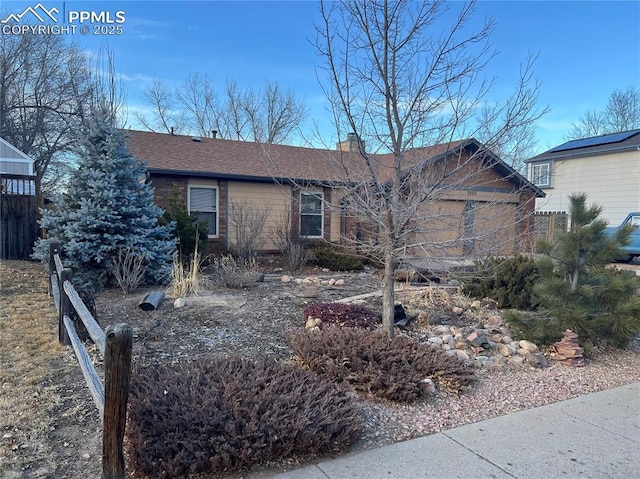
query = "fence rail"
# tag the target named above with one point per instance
(114, 344)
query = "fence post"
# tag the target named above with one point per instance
(65, 308)
(117, 368)
(54, 248)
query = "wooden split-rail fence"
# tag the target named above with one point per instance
(115, 346)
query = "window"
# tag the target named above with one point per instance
(203, 202)
(311, 215)
(540, 174)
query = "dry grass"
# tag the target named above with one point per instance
(187, 281)
(28, 344)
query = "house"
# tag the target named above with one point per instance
(18, 203)
(606, 168)
(302, 187)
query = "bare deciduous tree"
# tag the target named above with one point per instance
(402, 75)
(247, 222)
(283, 235)
(268, 115)
(273, 114)
(199, 103)
(48, 88)
(622, 113)
(163, 116)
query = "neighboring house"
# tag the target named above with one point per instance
(18, 203)
(301, 186)
(606, 168)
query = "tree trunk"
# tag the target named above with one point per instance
(388, 298)
(574, 281)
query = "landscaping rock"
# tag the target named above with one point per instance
(537, 360)
(567, 351)
(529, 346)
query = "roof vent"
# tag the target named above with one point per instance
(196, 138)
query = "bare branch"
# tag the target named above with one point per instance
(403, 75)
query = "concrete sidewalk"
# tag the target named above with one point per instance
(593, 436)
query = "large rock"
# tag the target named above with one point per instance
(529, 346)
(537, 360)
(462, 355)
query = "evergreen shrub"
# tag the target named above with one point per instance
(396, 369)
(335, 257)
(190, 233)
(579, 291)
(107, 209)
(340, 314)
(509, 281)
(231, 414)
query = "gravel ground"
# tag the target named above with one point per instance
(497, 393)
(251, 323)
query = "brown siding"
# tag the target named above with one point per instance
(277, 198)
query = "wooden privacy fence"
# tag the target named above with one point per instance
(547, 224)
(115, 345)
(18, 216)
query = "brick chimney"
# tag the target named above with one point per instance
(350, 144)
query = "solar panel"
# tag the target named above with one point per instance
(595, 141)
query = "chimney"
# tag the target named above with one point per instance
(350, 144)
(214, 133)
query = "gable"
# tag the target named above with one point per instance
(13, 161)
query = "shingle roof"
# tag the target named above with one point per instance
(182, 155)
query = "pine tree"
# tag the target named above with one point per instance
(187, 229)
(577, 289)
(107, 209)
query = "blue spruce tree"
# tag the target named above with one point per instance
(108, 209)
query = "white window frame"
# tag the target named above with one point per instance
(214, 210)
(320, 196)
(537, 174)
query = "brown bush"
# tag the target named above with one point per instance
(232, 414)
(341, 314)
(373, 365)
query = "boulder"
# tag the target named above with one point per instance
(529, 346)
(537, 360)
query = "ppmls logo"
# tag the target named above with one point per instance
(39, 12)
(38, 20)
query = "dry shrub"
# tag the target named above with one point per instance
(128, 268)
(284, 235)
(373, 365)
(232, 414)
(235, 273)
(186, 280)
(342, 314)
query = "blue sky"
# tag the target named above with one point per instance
(586, 49)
